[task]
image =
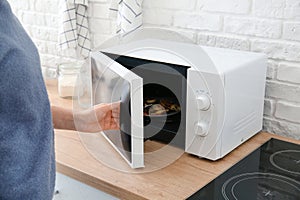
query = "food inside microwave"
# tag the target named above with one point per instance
(160, 106)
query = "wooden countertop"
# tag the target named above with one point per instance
(177, 181)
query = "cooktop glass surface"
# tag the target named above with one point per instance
(271, 172)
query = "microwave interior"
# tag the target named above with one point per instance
(164, 100)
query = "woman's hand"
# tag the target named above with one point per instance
(100, 117)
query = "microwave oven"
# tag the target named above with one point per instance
(204, 100)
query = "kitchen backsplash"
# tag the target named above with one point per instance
(268, 26)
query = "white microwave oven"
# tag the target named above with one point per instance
(204, 100)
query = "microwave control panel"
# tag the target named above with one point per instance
(202, 117)
(203, 101)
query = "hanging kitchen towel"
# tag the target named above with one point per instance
(74, 27)
(128, 13)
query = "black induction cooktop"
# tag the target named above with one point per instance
(271, 172)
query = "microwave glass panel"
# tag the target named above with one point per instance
(111, 82)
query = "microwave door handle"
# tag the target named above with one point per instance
(125, 118)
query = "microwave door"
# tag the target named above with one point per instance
(112, 82)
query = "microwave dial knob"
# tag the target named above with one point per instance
(203, 102)
(201, 129)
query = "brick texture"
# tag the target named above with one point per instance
(253, 27)
(278, 90)
(268, 26)
(178, 5)
(289, 73)
(292, 10)
(207, 22)
(279, 50)
(269, 8)
(269, 107)
(291, 31)
(224, 41)
(226, 6)
(288, 111)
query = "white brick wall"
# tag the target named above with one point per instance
(158, 16)
(223, 40)
(226, 6)
(289, 73)
(291, 31)
(197, 21)
(176, 5)
(268, 8)
(269, 107)
(268, 26)
(279, 50)
(288, 111)
(292, 10)
(253, 27)
(285, 91)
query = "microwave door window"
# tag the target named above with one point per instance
(109, 87)
(111, 84)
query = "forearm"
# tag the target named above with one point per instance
(62, 118)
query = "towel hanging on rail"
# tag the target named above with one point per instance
(129, 15)
(74, 32)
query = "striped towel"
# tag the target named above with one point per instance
(129, 15)
(74, 27)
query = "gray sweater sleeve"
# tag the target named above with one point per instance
(27, 165)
